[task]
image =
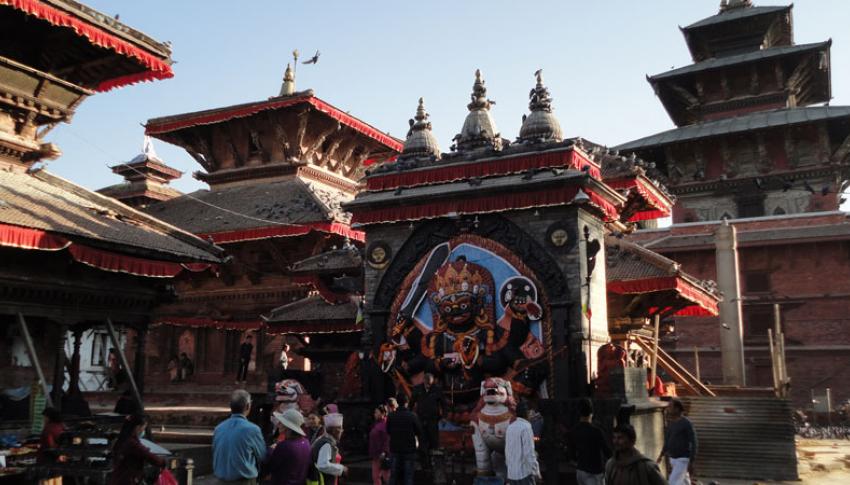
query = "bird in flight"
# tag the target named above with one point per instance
(313, 59)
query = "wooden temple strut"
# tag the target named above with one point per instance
(34, 358)
(676, 370)
(117, 346)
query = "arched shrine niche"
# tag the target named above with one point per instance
(470, 308)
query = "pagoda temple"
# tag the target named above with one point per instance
(146, 179)
(73, 260)
(278, 171)
(757, 143)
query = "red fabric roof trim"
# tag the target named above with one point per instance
(326, 293)
(312, 327)
(240, 112)
(26, 238)
(704, 305)
(483, 168)
(660, 207)
(157, 68)
(493, 203)
(209, 323)
(118, 263)
(285, 231)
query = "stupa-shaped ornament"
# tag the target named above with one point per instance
(288, 87)
(479, 129)
(420, 142)
(540, 125)
(733, 4)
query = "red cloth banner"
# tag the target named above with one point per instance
(704, 305)
(209, 323)
(312, 327)
(26, 238)
(493, 203)
(566, 158)
(661, 206)
(120, 263)
(254, 108)
(156, 67)
(285, 231)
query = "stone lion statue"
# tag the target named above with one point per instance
(494, 412)
(290, 394)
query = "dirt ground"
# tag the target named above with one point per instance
(820, 462)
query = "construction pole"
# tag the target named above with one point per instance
(654, 356)
(773, 362)
(780, 348)
(696, 363)
(728, 282)
(34, 358)
(113, 336)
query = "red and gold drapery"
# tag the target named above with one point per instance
(202, 322)
(703, 305)
(507, 165)
(28, 238)
(331, 326)
(156, 68)
(482, 205)
(284, 230)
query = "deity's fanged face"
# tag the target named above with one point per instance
(457, 309)
(459, 293)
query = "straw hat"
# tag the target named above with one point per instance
(292, 419)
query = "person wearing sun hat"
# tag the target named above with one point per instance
(288, 461)
(325, 454)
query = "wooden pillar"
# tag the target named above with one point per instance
(654, 356)
(139, 364)
(59, 368)
(34, 358)
(116, 343)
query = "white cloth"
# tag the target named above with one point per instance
(679, 475)
(585, 478)
(520, 456)
(325, 463)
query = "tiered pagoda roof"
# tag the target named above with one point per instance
(146, 179)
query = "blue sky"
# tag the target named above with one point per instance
(378, 57)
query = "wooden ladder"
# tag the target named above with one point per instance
(674, 368)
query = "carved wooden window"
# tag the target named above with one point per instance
(750, 206)
(757, 320)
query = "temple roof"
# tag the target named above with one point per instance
(736, 14)
(745, 58)
(295, 202)
(313, 315)
(743, 123)
(46, 202)
(338, 260)
(80, 44)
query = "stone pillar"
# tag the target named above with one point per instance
(74, 382)
(728, 282)
(59, 368)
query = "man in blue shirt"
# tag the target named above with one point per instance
(238, 445)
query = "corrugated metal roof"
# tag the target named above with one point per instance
(736, 14)
(719, 62)
(744, 437)
(747, 122)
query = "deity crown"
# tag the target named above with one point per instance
(459, 277)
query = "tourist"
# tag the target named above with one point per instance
(590, 447)
(520, 456)
(238, 445)
(245, 351)
(428, 399)
(288, 461)
(379, 447)
(680, 444)
(325, 453)
(314, 427)
(187, 367)
(404, 428)
(50, 433)
(129, 455)
(392, 405)
(628, 466)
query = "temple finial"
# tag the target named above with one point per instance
(478, 129)
(539, 75)
(726, 5)
(540, 125)
(420, 142)
(288, 87)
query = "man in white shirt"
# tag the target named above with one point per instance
(326, 451)
(520, 456)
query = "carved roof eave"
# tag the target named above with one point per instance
(735, 183)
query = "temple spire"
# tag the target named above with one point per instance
(288, 87)
(726, 5)
(479, 129)
(541, 125)
(420, 141)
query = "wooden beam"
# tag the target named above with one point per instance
(34, 359)
(654, 355)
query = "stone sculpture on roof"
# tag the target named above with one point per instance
(479, 130)
(541, 124)
(420, 141)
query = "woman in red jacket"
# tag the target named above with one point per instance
(129, 454)
(379, 447)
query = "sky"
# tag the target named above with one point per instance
(378, 57)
